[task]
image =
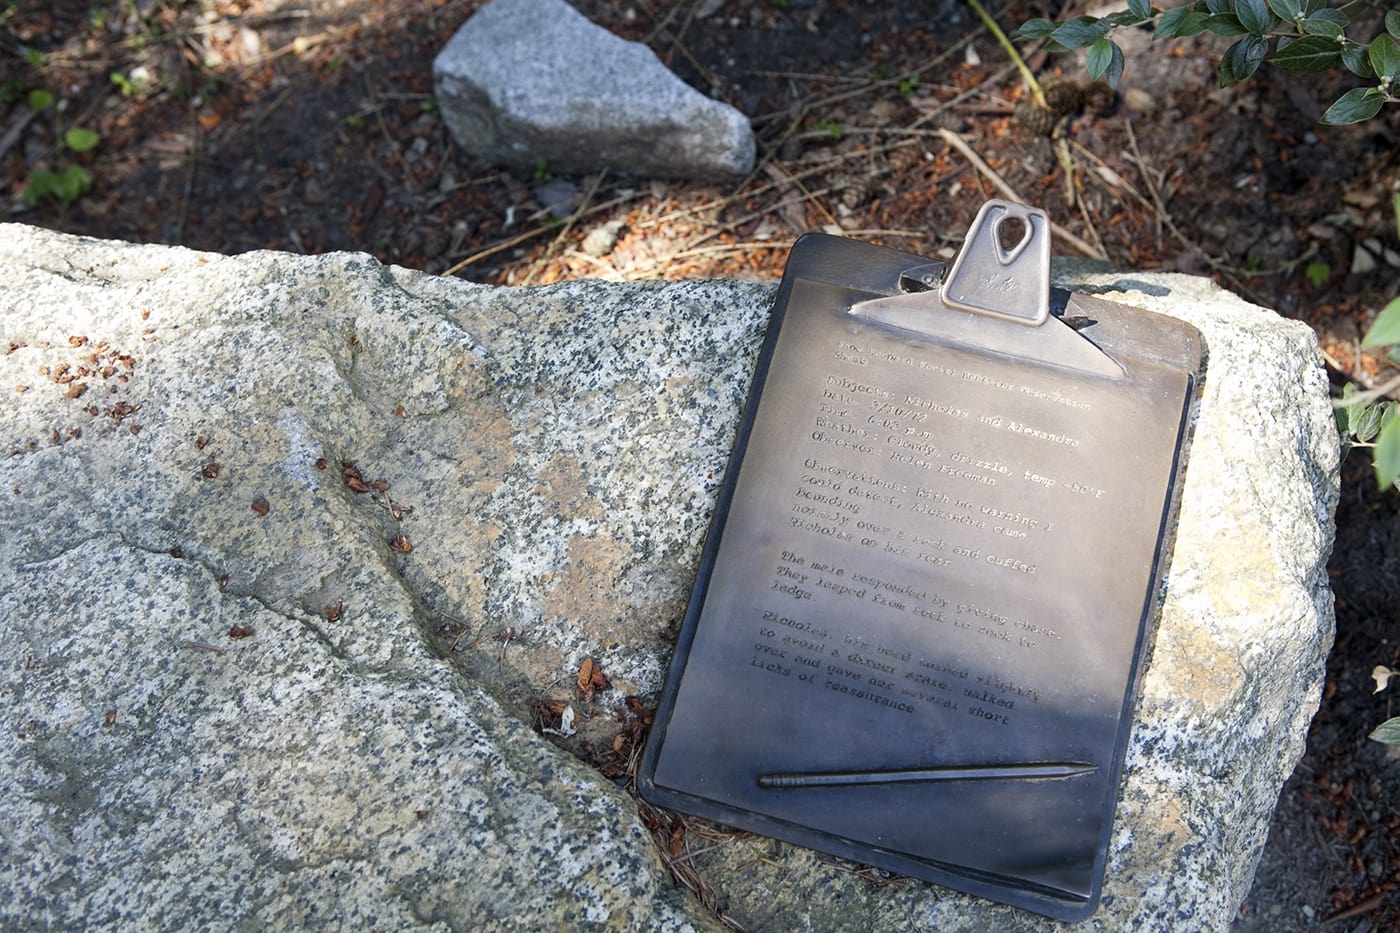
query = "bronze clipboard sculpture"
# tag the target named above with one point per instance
(916, 629)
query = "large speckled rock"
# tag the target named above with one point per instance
(527, 81)
(180, 458)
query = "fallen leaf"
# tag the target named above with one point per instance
(401, 543)
(1381, 675)
(566, 724)
(120, 410)
(791, 211)
(210, 471)
(237, 631)
(353, 478)
(639, 709)
(591, 678)
(332, 613)
(260, 506)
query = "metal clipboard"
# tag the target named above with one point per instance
(917, 626)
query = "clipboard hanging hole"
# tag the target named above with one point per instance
(1012, 235)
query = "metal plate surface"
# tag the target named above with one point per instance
(915, 633)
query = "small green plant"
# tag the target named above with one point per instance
(66, 182)
(65, 186)
(541, 172)
(79, 139)
(10, 91)
(1366, 424)
(1296, 35)
(831, 129)
(123, 83)
(1364, 420)
(1317, 273)
(908, 84)
(1388, 731)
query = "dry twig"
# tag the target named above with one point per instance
(990, 174)
(553, 247)
(534, 232)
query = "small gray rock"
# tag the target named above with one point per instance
(1363, 258)
(601, 239)
(559, 196)
(530, 80)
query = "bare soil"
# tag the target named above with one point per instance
(232, 125)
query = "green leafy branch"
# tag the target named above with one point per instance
(1362, 417)
(1367, 422)
(1296, 35)
(1016, 59)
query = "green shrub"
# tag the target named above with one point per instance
(1297, 35)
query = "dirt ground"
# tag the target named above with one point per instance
(233, 125)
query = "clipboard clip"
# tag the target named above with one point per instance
(996, 296)
(990, 277)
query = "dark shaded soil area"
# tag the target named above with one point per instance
(232, 125)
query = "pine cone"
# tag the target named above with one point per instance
(903, 158)
(851, 190)
(1062, 96)
(948, 120)
(1100, 98)
(1035, 118)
